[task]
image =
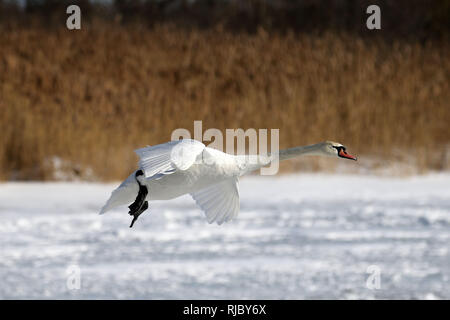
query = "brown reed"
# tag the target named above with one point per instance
(90, 97)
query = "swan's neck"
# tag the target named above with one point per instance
(247, 164)
(313, 150)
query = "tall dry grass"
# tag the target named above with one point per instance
(90, 97)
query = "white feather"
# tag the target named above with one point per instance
(168, 157)
(219, 201)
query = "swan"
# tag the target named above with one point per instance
(175, 168)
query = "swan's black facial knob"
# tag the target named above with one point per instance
(343, 154)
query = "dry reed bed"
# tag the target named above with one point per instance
(90, 97)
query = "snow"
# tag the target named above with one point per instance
(296, 237)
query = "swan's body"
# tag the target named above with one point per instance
(176, 168)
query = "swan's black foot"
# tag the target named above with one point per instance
(139, 205)
(138, 213)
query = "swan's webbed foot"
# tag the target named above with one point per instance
(139, 205)
(138, 213)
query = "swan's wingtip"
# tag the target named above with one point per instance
(103, 210)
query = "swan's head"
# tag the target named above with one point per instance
(337, 150)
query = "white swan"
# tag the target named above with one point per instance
(171, 169)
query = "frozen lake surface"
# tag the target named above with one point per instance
(296, 237)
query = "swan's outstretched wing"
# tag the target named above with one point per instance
(220, 202)
(166, 158)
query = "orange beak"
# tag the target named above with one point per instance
(344, 154)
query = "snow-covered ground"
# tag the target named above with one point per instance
(296, 237)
